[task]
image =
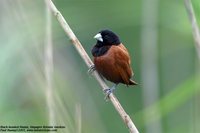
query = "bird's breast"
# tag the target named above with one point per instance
(106, 64)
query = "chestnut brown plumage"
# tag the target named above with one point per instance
(112, 59)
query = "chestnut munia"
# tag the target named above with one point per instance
(111, 59)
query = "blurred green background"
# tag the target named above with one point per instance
(158, 36)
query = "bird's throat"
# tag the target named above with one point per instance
(99, 51)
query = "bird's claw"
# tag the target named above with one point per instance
(91, 69)
(107, 93)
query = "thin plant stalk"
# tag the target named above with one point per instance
(195, 28)
(78, 117)
(48, 63)
(149, 67)
(196, 35)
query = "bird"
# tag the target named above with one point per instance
(112, 60)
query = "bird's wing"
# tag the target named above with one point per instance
(124, 71)
(128, 56)
(122, 63)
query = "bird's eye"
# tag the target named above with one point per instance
(106, 37)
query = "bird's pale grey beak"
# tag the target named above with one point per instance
(98, 37)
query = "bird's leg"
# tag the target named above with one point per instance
(109, 91)
(91, 69)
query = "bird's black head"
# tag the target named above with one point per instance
(107, 37)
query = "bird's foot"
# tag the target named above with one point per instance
(108, 92)
(91, 69)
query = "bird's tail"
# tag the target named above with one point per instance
(132, 82)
